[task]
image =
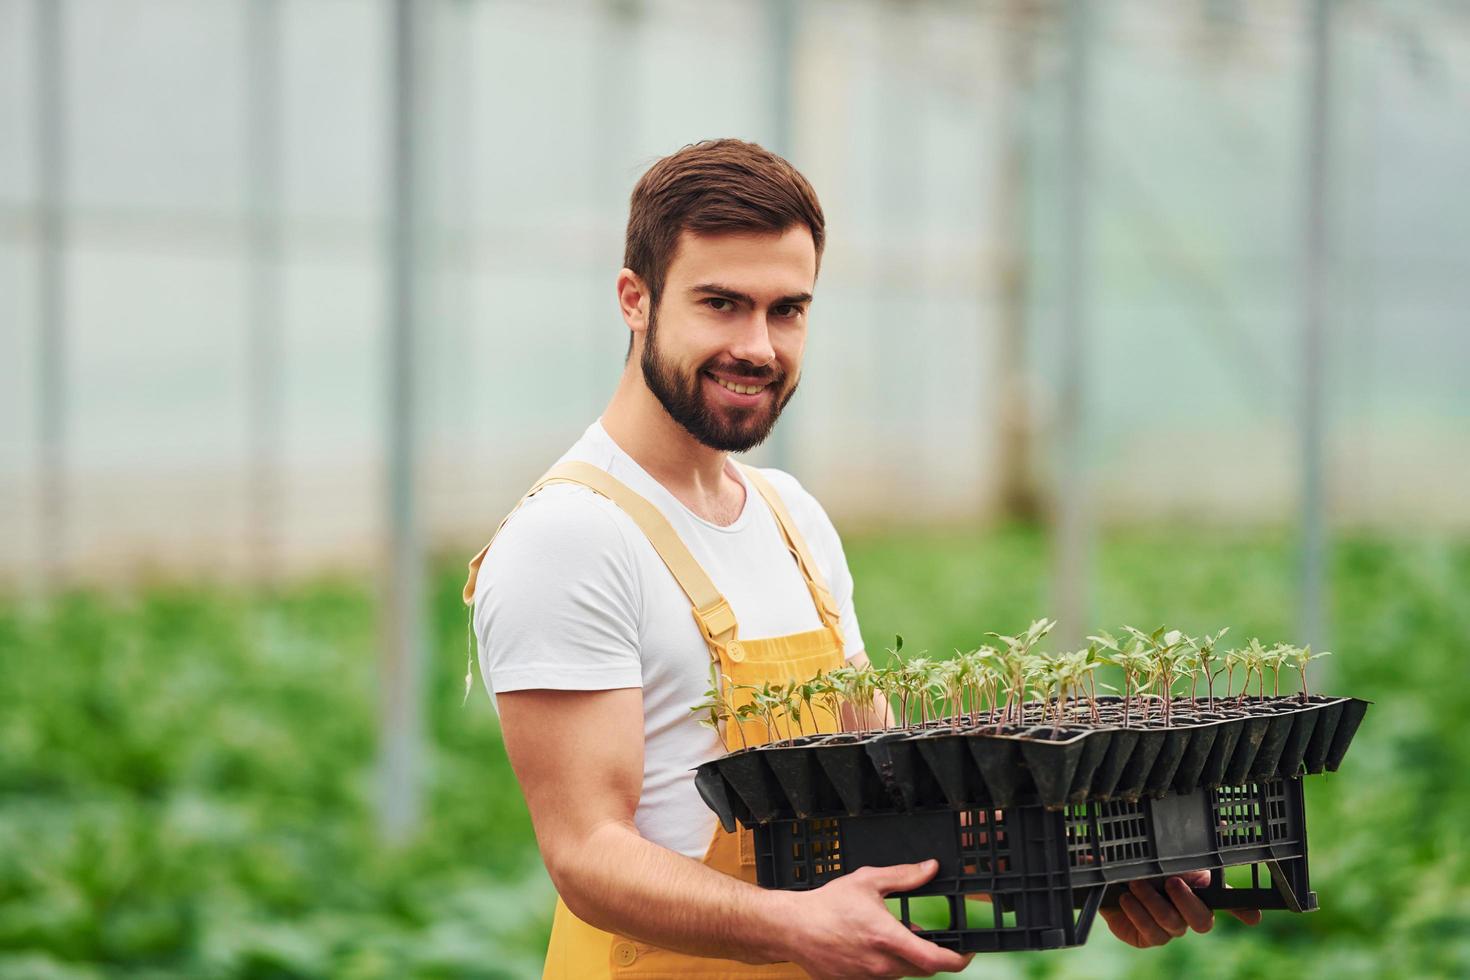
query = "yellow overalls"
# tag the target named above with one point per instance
(577, 950)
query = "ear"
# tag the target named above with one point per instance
(633, 300)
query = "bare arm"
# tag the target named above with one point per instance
(579, 758)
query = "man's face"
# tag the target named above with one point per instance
(723, 349)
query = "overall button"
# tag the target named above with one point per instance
(624, 954)
(735, 651)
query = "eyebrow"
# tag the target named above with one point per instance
(735, 295)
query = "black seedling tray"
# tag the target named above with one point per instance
(942, 767)
(1046, 871)
(1049, 821)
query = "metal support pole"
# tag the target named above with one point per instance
(782, 19)
(1073, 532)
(400, 721)
(617, 102)
(457, 221)
(1358, 288)
(1315, 302)
(51, 166)
(897, 444)
(1007, 399)
(264, 322)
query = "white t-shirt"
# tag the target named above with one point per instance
(572, 596)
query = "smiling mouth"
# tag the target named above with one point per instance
(739, 389)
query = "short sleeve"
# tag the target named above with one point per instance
(826, 548)
(557, 601)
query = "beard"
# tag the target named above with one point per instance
(727, 428)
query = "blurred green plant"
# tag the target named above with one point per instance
(185, 786)
(185, 775)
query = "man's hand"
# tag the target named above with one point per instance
(843, 929)
(1146, 916)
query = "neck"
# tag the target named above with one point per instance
(637, 421)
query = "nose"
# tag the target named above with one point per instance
(752, 342)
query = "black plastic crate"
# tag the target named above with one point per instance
(953, 767)
(1048, 871)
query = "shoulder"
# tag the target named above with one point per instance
(562, 525)
(559, 598)
(563, 510)
(805, 509)
(795, 496)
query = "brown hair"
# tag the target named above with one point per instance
(714, 186)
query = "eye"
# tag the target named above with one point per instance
(788, 310)
(729, 305)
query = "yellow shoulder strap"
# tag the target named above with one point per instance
(716, 619)
(796, 544)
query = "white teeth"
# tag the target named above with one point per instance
(740, 389)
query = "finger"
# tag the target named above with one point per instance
(901, 877)
(1145, 930)
(888, 968)
(1149, 933)
(1251, 917)
(1201, 917)
(1120, 926)
(1195, 879)
(934, 959)
(926, 957)
(893, 968)
(928, 969)
(1159, 907)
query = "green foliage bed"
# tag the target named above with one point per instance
(185, 775)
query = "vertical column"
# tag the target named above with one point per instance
(403, 636)
(449, 264)
(462, 129)
(1359, 62)
(51, 167)
(1008, 398)
(1072, 531)
(782, 18)
(264, 318)
(1316, 272)
(900, 280)
(618, 104)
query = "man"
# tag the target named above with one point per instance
(583, 608)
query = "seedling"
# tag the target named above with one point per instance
(1204, 650)
(1302, 657)
(1014, 686)
(716, 708)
